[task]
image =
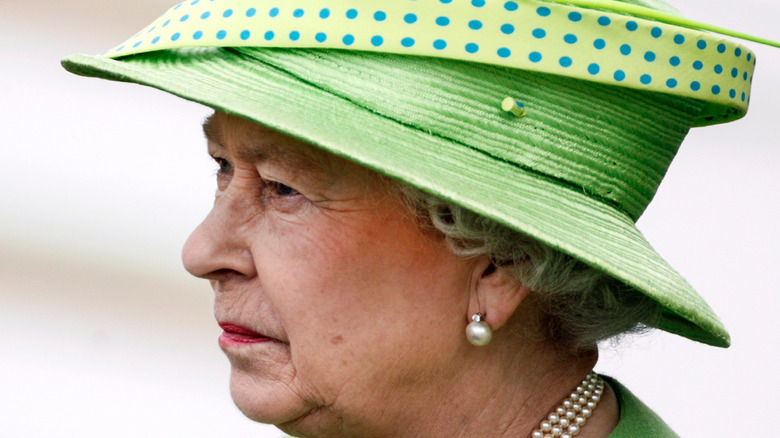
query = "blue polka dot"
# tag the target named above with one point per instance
(352, 14)
(649, 56)
(701, 44)
(716, 89)
(324, 13)
(575, 16)
(197, 35)
(698, 65)
(656, 32)
(407, 42)
(718, 69)
(410, 18)
(137, 44)
(749, 56)
(539, 33)
(475, 24)
(507, 29)
(472, 48)
(269, 35)
(294, 35)
(442, 21)
(594, 69)
(645, 79)
(178, 6)
(744, 76)
(380, 15)
(695, 86)
(671, 83)
(734, 72)
(221, 35)
(570, 38)
(320, 37)
(743, 96)
(377, 40)
(510, 6)
(599, 44)
(439, 44)
(732, 93)
(155, 40)
(632, 26)
(605, 21)
(543, 11)
(674, 61)
(625, 49)
(535, 56)
(679, 39)
(273, 12)
(504, 52)
(565, 61)
(298, 13)
(251, 12)
(175, 36)
(184, 18)
(620, 75)
(194, 2)
(478, 3)
(119, 49)
(721, 48)
(348, 39)
(228, 13)
(446, 1)
(154, 27)
(167, 22)
(738, 52)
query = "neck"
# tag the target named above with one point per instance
(507, 393)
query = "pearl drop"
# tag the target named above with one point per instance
(553, 418)
(579, 421)
(567, 404)
(566, 435)
(574, 429)
(576, 407)
(587, 413)
(545, 426)
(560, 410)
(570, 415)
(556, 430)
(537, 434)
(479, 333)
(564, 422)
(591, 405)
(582, 400)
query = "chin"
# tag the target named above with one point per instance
(265, 400)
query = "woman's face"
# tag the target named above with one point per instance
(336, 306)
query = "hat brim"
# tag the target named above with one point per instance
(552, 212)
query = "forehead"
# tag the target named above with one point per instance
(255, 143)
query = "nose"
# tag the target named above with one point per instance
(218, 249)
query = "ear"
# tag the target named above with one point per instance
(495, 293)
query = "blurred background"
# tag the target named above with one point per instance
(103, 333)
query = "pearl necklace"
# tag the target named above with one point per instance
(569, 417)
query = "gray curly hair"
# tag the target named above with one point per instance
(580, 304)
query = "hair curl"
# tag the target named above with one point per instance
(580, 304)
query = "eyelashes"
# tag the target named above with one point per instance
(270, 188)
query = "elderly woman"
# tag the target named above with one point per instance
(424, 219)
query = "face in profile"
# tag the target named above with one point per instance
(336, 305)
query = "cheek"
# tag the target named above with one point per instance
(359, 297)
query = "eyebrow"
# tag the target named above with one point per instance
(311, 160)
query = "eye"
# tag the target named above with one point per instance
(279, 189)
(225, 167)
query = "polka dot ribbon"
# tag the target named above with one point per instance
(594, 45)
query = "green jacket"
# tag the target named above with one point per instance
(636, 419)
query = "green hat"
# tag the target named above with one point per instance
(557, 120)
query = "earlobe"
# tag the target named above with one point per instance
(495, 293)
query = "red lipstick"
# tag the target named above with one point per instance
(235, 335)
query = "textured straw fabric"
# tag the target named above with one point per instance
(575, 172)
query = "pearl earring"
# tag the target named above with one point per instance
(478, 332)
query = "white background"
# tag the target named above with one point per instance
(102, 333)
